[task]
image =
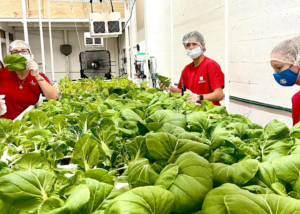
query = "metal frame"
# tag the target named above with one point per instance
(41, 38)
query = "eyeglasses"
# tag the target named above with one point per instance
(191, 44)
(23, 51)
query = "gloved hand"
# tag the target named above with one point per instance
(3, 108)
(192, 98)
(162, 86)
(33, 67)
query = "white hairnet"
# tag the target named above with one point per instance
(14, 45)
(287, 51)
(194, 34)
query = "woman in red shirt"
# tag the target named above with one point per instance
(285, 60)
(18, 90)
(203, 77)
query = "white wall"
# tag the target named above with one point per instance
(60, 59)
(255, 28)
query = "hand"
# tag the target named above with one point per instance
(3, 108)
(33, 67)
(192, 98)
(162, 86)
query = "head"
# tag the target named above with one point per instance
(285, 60)
(193, 40)
(22, 48)
(194, 44)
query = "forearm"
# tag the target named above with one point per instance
(48, 90)
(216, 95)
(175, 90)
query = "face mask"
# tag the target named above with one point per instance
(286, 77)
(194, 53)
(27, 56)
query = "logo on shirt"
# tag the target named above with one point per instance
(33, 83)
(201, 80)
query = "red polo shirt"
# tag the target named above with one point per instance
(203, 79)
(17, 100)
(296, 108)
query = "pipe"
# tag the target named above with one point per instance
(226, 56)
(25, 21)
(42, 38)
(260, 103)
(7, 41)
(67, 57)
(127, 51)
(146, 70)
(172, 45)
(51, 45)
(131, 41)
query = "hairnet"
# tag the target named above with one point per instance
(287, 51)
(14, 45)
(194, 34)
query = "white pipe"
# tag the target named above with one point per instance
(25, 21)
(7, 41)
(226, 57)
(127, 50)
(51, 45)
(146, 70)
(42, 38)
(67, 57)
(172, 41)
(131, 42)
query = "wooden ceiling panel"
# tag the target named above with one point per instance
(13, 8)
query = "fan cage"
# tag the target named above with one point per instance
(100, 58)
(113, 26)
(98, 41)
(89, 41)
(99, 27)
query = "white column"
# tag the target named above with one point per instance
(67, 57)
(172, 41)
(226, 56)
(51, 45)
(146, 70)
(131, 42)
(25, 21)
(127, 52)
(41, 37)
(7, 41)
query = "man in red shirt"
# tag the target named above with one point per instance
(203, 77)
(285, 60)
(18, 90)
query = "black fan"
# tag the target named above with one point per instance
(113, 26)
(98, 41)
(95, 64)
(99, 27)
(89, 41)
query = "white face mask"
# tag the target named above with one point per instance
(27, 56)
(194, 53)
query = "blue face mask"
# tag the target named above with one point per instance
(286, 77)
